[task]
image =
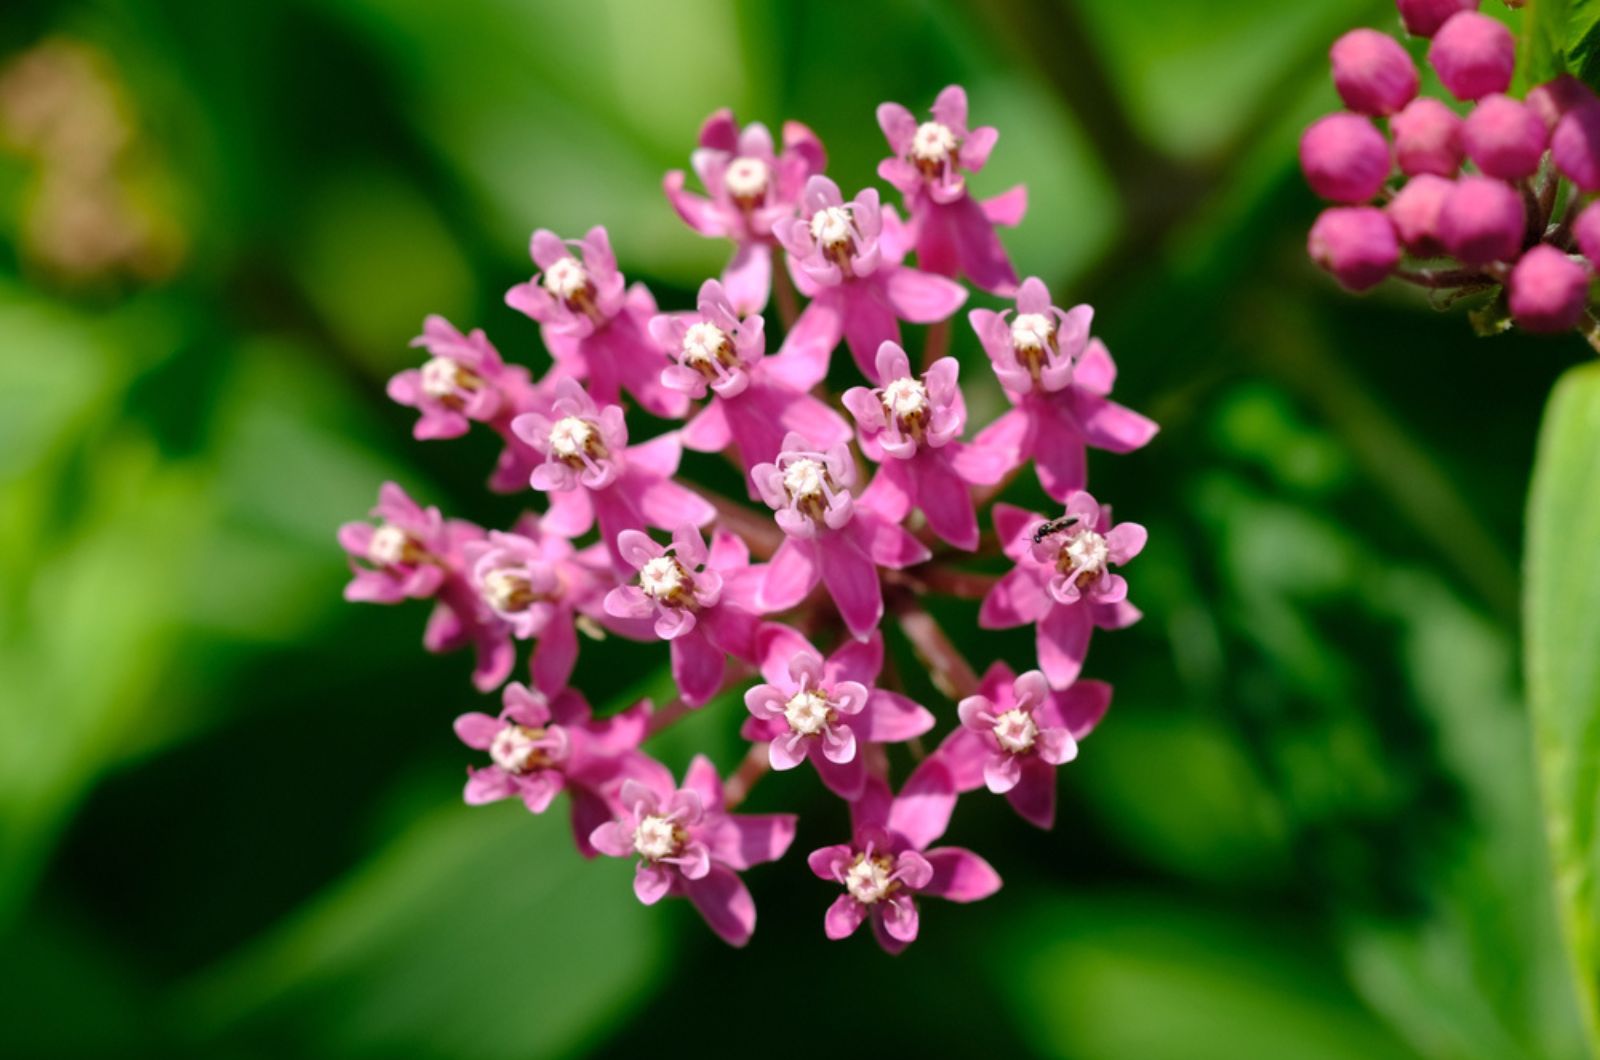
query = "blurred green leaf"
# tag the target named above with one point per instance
(1131, 977)
(1563, 661)
(478, 931)
(1544, 40)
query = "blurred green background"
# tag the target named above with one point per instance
(229, 803)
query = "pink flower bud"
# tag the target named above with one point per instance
(1423, 18)
(1482, 221)
(1474, 55)
(1575, 146)
(1586, 230)
(1356, 244)
(1427, 138)
(1553, 99)
(1372, 72)
(1505, 138)
(1345, 158)
(1414, 211)
(1548, 290)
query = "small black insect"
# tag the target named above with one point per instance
(1046, 529)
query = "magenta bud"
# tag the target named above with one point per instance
(1414, 211)
(1345, 158)
(1505, 138)
(1586, 230)
(1355, 243)
(1474, 55)
(1548, 290)
(1427, 138)
(1372, 72)
(1553, 99)
(1575, 146)
(1423, 18)
(1482, 220)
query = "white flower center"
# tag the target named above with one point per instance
(1086, 552)
(905, 397)
(507, 589)
(1032, 331)
(868, 879)
(566, 278)
(656, 838)
(662, 576)
(703, 343)
(831, 226)
(803, 478)
(807, 712)
(441, 377)
(389, 545)
(570, 437)
(746, 178)
(512, 748)
(1016, 731)
(933, 142)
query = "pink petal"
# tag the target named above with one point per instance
(852, 581)
(701, 780)
(478, 730)
(950, 108)
(845, 779)
(898, 125)
(923, 298)
(1017, 599)
(725, 903)
(488, 785)
(976, 147)
(555, 655)
(696, 667)
(1001, 771)
(612, 839)
(857, 660)
(748, 278)
(983, 257)
(893, 718)
(1062, 643)
(789, 576)
(802, 361)
(843, 917)
(1056, 747)
(786, 751)
(1034, 795)
(960, 875)
(651, 882)
(1078, 709)
(828, 862)
(900, 918)
(1107, 425)
(743, 840)
(1008, 207)
(946, 500)
(921, 812)
(709, 431)
(698, 212)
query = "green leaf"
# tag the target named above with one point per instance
(1583, 39)
(1563, 661)
(1544, 40)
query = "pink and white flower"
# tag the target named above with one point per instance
(701, 600)
(887, 865)
(846, 256)
(688, 844)
(751, 186)
(824, 709)
(955, 234)
(1058, 379)
(593, 325)
(1062, 581)
(912, 425)
(755, 399)
(593, 476)
(1016, 731)
(829, 535)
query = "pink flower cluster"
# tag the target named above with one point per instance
(1495, 192)
(847, 522)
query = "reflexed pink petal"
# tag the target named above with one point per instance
(839, 747)
(697, 668)
(976, 147)
(789, 576)
(1001, 771)
(742, 840)
(613, 839)
(698, 212)
(900, 917)
(748, 278)
(478, 730)
(852, 581)
(960, 875)
(828, 862)
(891, 945)
(857, 660)
(845, 779)
(923, 298)
(1017, 599)
(488, 785)
(921, 812)
(1034, 795)
(1056, 746)
(725, 903)
(1078, 709)
(1008, 207)
(1062, 643)
(893, 718)
(787, 751)
(946, 501)
(555, 655)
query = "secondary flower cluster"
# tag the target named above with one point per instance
(1496, 192)
(868, 516)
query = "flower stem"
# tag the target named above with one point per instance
(761, 534)
(938, 343)
(949, 669)
(783, 289)
(753, 768)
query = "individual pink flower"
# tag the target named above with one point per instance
(592, 324)
(829, 535)
(1014, 733)
(751, 186)
(912, 427)
(824, 709)
(593, 476)
(415, 553)
(887, 866)
(688, 844)
(541, 745)
(1062, 581)
(537, 584)
(755, 399)
(846, 257)
(1059, 380)
(701, 600)
(955, 234)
